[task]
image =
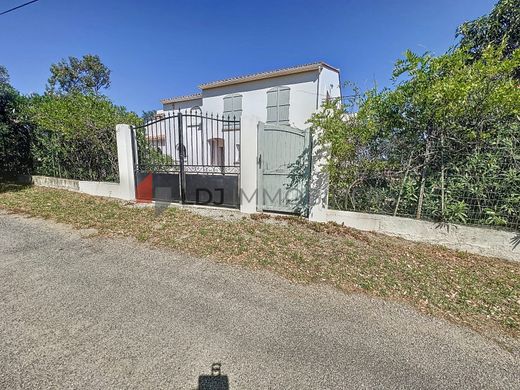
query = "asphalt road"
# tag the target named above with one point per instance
(80, 312)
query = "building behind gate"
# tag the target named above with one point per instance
(254, 127)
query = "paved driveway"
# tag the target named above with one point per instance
(81, 312)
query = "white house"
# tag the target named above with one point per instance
(286, 96)
(278, 101)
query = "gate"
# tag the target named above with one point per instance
(283, 169)
(188, 158)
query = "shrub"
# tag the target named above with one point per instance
(73, 135)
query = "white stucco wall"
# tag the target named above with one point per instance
(307, 91)
(302, 98)
(185, 105)
(329, 86)
(329, 82)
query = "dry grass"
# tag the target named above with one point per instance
(481, 292)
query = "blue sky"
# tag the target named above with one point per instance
(157, 49)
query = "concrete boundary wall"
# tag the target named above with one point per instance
(52, 182)
(96, 188)
(477, 240)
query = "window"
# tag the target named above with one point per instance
(217, 151)
(157, 141)
(232, 111)
(195, 118)
(278, 105)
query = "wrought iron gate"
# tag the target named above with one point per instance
(188, 158)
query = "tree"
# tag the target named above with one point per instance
(443, 144)
(86, 75)
(74, 135)
(4, 75)
(14, 130)
(68, 133)
(502, 24)
(148, 116)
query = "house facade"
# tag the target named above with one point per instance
(285, 97)
(247, 136)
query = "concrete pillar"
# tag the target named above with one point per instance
(125, 158)
(248, 163)
(319, 183)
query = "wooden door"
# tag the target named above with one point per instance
(283, 169)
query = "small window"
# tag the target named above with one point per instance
(278, 105)
(195, 118)
(232, 111)
(157, 141)
(217, 151)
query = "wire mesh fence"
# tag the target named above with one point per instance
(443, 180)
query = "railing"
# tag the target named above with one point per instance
(195, 143)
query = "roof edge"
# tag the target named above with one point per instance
(267, 75)
(251, 77)
(184, 98)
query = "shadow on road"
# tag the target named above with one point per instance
(515, 241)
(214, 381)
(11, 187)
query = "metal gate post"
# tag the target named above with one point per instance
(133, 136)
(182, 178)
